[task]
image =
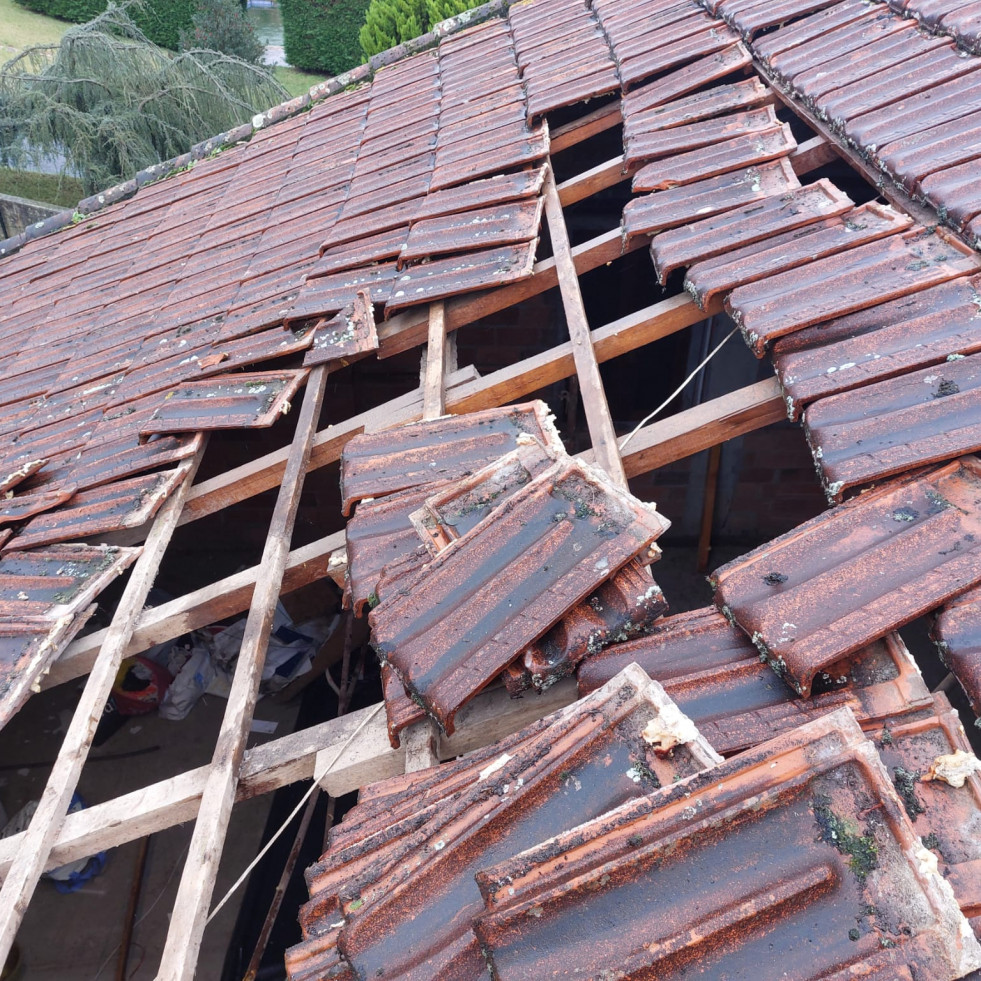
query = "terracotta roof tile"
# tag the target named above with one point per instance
(854, 573)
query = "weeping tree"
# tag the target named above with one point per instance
(106, 102)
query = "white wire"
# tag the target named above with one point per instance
(643, 422)
(296, 810)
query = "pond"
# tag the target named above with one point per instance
(265, 16)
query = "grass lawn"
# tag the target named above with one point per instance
(20, 28)
(295, 82)
(65, 192)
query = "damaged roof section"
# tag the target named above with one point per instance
(820, 856)
(957, 632)
(44, 601)
(852, 574)
(714, 673)
(399, 899)
(460, 621)
(377, 464)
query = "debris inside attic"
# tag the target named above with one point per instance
(388, 356)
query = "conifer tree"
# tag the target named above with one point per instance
(107, 102)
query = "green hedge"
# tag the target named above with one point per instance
(322, 35)
(161, 20)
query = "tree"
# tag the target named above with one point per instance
(221, 25)
(108, 103)
(390, 22)
(322, 35)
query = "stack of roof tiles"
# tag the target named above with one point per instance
(483, 549)
(609, 840)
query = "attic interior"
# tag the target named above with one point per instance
(729, 480)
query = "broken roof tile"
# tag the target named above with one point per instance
(376, 464)
(623, 607)
(123, 504)
(926, 328)
(713, 671)
(852, 574)
(957, 632)
(863, 276)
(486, 192)
(757, 222)
(685, 80)
(446, 640)
(237, 401)
(44, 601)
(661, 51)
(813, 837)
(22, 506)
(655, 144)
(789, 250)
(349, 334)
(466, 231)
(750, 149)
(720, 99)
(560, 71)
(442, 278)
(653, 213)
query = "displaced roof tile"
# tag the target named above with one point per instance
(864, 276)
(665, 209)
(852, 574)
(462, 623)
(957, 631)
(809, 827)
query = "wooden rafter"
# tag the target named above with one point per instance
(201, 866)
(283, 761)
(22, 878)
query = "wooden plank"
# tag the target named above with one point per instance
(466, 393)
(708, 508)
(408, 330)
(704, 426)
(598, 420)
(419, 743)
(282, 761)
(216, 601)
(597, 121)
(811, 154)
(201, 866)
(598, 178)
(434, 384)
(22, 878)
(419, 739)
(482, 721)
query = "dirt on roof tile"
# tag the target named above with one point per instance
(814, 837)
(852, 574)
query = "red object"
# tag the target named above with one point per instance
(140, 686)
